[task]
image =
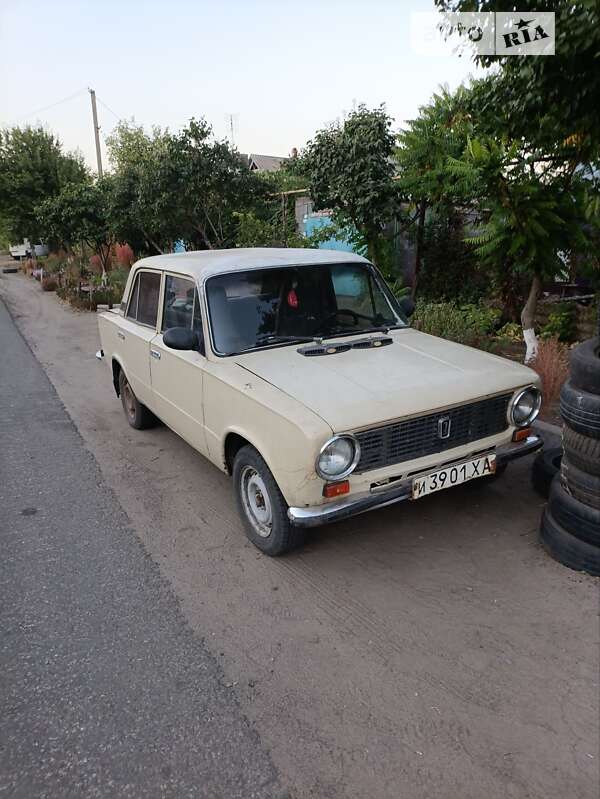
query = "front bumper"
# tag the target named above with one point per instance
(401, 490)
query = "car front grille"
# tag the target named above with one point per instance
(415, 438)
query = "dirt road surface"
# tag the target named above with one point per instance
(429, 650)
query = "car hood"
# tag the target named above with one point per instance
(363, 387)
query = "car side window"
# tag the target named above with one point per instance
(133, 300)
(178, 307)
(197, 318)
(143, 305)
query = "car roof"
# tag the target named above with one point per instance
(205, 263)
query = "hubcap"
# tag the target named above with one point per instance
(128, 399)
(256, 501)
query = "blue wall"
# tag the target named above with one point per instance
(314, 223)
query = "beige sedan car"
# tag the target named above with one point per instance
(296, 372)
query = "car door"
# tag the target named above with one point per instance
(137, 330)
(177, 375)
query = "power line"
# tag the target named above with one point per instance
(51, 105)
(108, 108)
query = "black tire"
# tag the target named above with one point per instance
(580, 410)
(578, 519)
(582, 451)
(544, 469)
(136, 414)
(567, 549)
(585, 365)
(581, 485)
(274, 537)
(10, 270)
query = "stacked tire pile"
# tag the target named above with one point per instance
(570, 528)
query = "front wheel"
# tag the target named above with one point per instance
(262, 506)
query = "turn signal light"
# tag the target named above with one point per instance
(336, 489)
(520, 435)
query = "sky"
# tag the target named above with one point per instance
(282, 69)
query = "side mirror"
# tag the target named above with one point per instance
(182, 338)
(407, 306)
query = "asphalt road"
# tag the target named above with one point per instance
(105, 688)
(430, 650)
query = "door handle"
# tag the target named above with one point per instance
(121, 335)
(155, 354)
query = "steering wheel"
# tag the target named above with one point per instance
(344, 311)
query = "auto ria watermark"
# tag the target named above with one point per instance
(501, 33)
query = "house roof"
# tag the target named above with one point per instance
(205, 263)
(265, 163)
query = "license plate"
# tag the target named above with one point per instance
(453, 476)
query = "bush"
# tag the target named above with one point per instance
(88, 300)
(512, 331)
(467, 324)
(124, 255)
(562, 323)
(552, 365)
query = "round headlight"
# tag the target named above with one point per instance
(526, 406)
(338, 457)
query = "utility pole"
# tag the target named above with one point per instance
(96, 131)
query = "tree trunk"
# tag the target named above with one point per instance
(527, 319)
(419, 247)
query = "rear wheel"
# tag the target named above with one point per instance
(262, 506)
(137, 414)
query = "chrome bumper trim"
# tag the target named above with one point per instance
(369, 500)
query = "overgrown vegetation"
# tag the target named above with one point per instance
(495, 186)
(467, 324)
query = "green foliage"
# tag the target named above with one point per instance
(550, 102)
(117, 278)
(528, 221)
(256, 232)
(440, 132)
(179, 185)
(511, 331)
(349, 168)
(467, 324)
(562, 323)
(451, 270)
(5, 241)
(33, 168)
(79, 214)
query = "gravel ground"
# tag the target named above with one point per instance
(425, 651)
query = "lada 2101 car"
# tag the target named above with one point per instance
(296, 372)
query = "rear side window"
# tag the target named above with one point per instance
(143, 305)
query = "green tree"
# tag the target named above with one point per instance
(79, 215)
(551, 103)
(138, 211)
(440, 132)
(350, 170)
(184, 185)
(33, 167)
(530, 221)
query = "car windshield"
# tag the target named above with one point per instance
(275, 306)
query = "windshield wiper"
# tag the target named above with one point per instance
(382, 329)
(344, 331)
(274, 338)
